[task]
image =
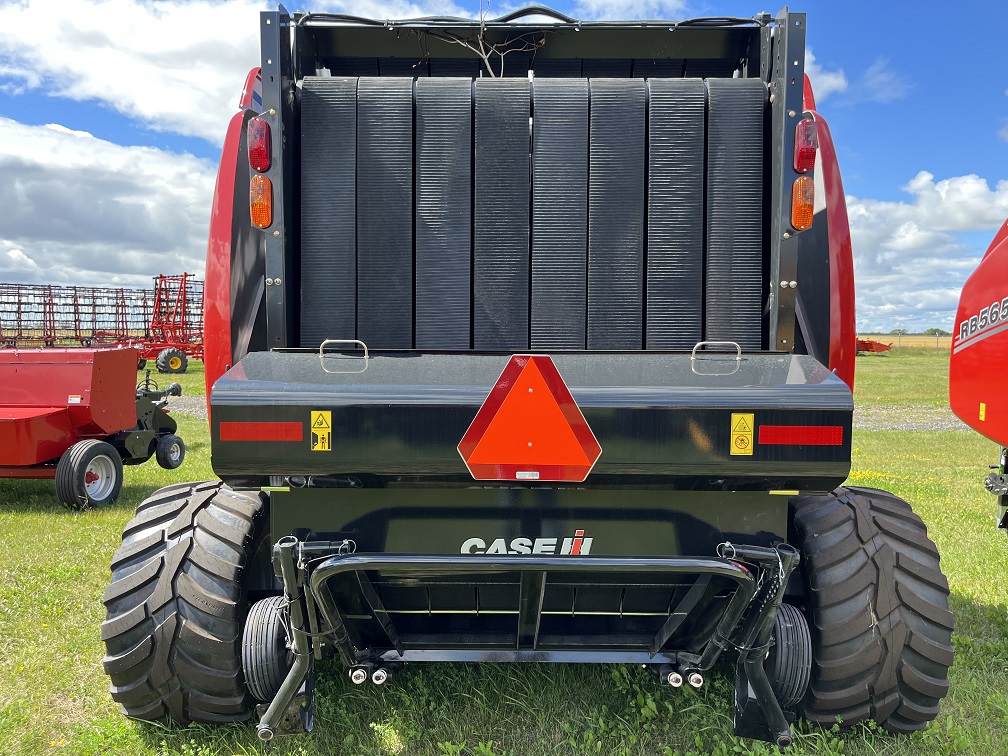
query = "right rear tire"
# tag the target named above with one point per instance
(878, 608)
(176, 605)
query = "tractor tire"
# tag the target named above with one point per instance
(266, 656)
(170, 451)
(172, 360)
(878, 607)
(176, 605)
(89, 474)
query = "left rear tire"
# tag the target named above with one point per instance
(176, 604)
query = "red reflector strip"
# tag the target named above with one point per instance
(261, 431)
(810, 435)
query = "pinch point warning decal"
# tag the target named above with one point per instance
(742, 425)
(321, 430)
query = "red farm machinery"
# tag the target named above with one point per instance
(164, 324)
(77, 415)
(979, 360)
(534, 346)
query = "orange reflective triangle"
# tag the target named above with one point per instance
(529, 428)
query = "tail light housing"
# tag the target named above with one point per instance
(802, 202)
(806, 144)
(261, 201)
(259, 145)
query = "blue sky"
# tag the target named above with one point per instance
(112, 112)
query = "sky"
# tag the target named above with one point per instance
(112, 113)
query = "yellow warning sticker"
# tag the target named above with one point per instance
(742, 433)
(983, 411)
(321, 430)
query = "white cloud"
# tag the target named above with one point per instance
(911, 258)
(880, 83)
(1003, 131)
(175, 67)
(824, 83)
(80, 210)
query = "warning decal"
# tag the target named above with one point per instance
(742, 433)
(321, 430)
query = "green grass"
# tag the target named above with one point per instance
(54, 697)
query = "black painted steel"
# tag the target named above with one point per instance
(616, 214)
(328, 210)
(501, 215)
(443, 213)
(676, 131)
(661, 419)
(385, 212)
(735, 292)
(559, 213)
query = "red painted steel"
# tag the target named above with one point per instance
(801, 435)
(217, 295)
(979, 359)
(261, 431)
(870, 345)
(842, 349)
(529, 428)
(53, 398)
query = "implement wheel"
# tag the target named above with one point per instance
(176, 604)
(89, 474)
(878, 607)
(172, 360)
(170, 451)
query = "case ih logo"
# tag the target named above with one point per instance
(578, 545)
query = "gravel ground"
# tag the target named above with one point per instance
(907, 419)
(188, 405)
(865, 418)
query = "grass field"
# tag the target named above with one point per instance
(54, 699)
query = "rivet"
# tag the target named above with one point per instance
(276, 233)
(791, 114)
(277, 282)
(783, 284)
(787, 235)
(269, 281)
(793, 284)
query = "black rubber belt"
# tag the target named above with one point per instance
(443, 212)
(559, 213)
(675, 213)
(616, 68)
(467, 67)
(734, 305)
(557, 68)
(646, 68)
(385, 212)
(501, 215)
(328, 200)
(402, 67)
(616, 214)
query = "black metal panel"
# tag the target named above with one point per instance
(615, 68)
(385, 212)
(465, 67)
(441, 521)
(668, 425)
(616, 214)
(735, 290)
(328, 210)
(501, 215)
(704, 68)
(443, 213)
(553, 68)
(415, 66)
(354, 67)
(559, 213)
(663, 68)
(676, 116)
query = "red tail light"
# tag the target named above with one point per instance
(259, 151)
(805, 145)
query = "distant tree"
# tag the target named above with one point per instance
(899, 332)
(936, 332)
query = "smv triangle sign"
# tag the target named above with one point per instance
(529, 428)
